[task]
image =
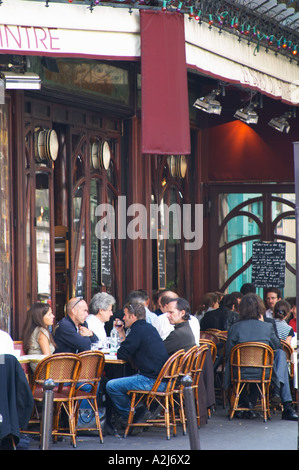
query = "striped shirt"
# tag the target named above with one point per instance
(284, 330)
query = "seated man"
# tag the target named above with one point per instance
(181, 337)
(223, 317)
(252, 327)
(71, 334)
(163, 325)
(146, 349)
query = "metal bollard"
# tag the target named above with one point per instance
(47, 419)
(190, 413)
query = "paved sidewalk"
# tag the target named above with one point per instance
(218, 434)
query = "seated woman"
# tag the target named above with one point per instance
(37, 337)
(281, 313)
(292, 320)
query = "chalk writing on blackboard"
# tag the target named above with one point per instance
(268, 264)
(106, 261)
(161, 252)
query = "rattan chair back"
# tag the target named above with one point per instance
(198, 363)
(212, 347)
(93, 363)
(210, 334)
(92, 366)
(251, 363)
(61, 368)
(251, 355)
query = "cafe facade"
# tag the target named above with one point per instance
(111, 178)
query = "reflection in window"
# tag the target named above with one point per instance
(5, 245)
(173, 244)
(235, 252)
(42, 236)
(240, 226)
(77, 215)
(91, 76)
(95, 198)
(79, 168)
(285, 230)
(28, 261)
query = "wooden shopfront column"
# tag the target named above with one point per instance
(138, 258)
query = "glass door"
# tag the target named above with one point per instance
(237, 219)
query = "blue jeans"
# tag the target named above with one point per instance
(118, 388)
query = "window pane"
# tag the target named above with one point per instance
(95, 198)
(5, 245)
(42, 217)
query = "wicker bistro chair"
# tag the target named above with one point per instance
(257, 359)
(185, 369)
(220, 372)
(196, 370)
(92, 363)
(211, 334)
(168, 374)
(289, 351)
(64, 370)
(212, 347)
(18, 345)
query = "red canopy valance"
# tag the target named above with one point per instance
(164, 87)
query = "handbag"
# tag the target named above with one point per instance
(87, 423)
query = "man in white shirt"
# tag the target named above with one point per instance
(100, 309)
(272, 295)
(6, 343)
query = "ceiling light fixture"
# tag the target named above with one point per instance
(247, 115)
(21, 81)
(280, 123)
(208, 104)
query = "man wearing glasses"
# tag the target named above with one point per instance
(272, 295)
(72, 333)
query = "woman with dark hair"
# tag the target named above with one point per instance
(292, 320)
(37, 337)
(281, 313)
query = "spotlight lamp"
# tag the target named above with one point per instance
(208, 104)
(20, 81)
(247, 115)
(280, 123)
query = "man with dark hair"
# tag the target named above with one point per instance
(248, 288)
(142, 297)
(223, 317)
(162, 323)
(271, 296)
(144, 347)
(181, 337)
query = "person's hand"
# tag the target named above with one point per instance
(83, 331)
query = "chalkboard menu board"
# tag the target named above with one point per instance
(161, 248)
(268, 264)
(106, 261)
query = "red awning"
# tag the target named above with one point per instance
(164, 87)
